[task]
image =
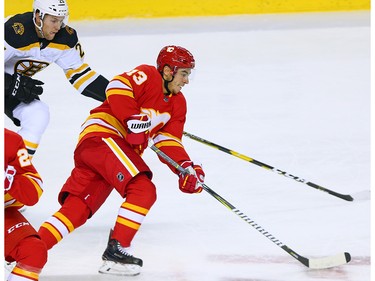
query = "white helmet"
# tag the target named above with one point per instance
(57, 8)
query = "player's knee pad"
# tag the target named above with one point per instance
(73, 213)
(31, 252)
(143, 186)
(75, 210)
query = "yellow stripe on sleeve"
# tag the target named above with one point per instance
(36, 181)
(123, 80)
(168, 143)
(123, 92)
(83, 79)
(71, 72)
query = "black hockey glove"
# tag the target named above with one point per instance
(24, 88)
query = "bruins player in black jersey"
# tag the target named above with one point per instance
(33, 41)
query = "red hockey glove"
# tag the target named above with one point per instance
(10, 172)
(138, 126)
(192, 181)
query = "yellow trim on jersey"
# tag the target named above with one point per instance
(8, 197)
(95, 128)
(32, 178)
(83, 79)
(58, 46)
(136, 208)
(170, 136)
(117, 91)
(31, 144)
(71, 72)
(128, 164)
(53, 231)
(168, 143)
(123, 80)
(110, 119)
(128, 223)
(15, 204)
(65, 221)
(29, 47)
(10, 201)
(26, 273)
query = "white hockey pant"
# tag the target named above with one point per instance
(34, 118)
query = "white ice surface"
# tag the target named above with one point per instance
(291, 91)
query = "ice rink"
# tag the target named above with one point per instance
(292, 91)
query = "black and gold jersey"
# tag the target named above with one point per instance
(28, 54)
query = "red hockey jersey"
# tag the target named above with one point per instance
(27, 184)
(140, 91)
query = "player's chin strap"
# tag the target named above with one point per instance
(39, 28)
(166, 82)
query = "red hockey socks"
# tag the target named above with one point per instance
(73, 213)
(31, 256)
(140, 196)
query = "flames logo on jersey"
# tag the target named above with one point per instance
(158, 119)
(18, 28)
(30, 67)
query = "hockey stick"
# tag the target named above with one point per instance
(346, 197)
(316, 263)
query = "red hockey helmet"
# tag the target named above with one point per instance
(175, 57)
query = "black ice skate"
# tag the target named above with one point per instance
(117, 261)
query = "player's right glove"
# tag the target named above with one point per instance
(24, 88)
(138, 129)
(192, 181)
(10, 172)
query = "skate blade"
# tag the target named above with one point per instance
(113, 268)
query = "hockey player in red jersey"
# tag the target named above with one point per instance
(143, 103)
(33, 41)
(22, 186)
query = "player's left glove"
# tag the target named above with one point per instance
(10, 172)
(138, 129)
(192, 181)
(24, 88)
